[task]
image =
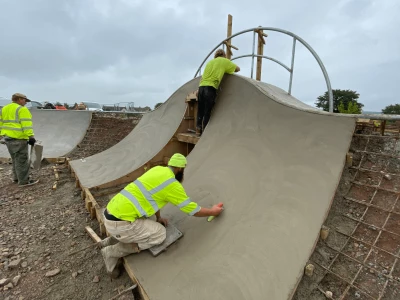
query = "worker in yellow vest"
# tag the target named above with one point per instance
(126, 216)
(209, 84)
(17, 132)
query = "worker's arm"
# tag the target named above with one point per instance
(160, 220)
(230, 67)
(213, 211)
(179, 198)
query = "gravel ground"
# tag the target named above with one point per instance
(39, 228)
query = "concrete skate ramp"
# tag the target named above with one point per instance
(146, 140)
(275, 164)
(58, 131)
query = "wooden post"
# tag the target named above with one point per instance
(260, 51)
(228, 42)
(383, 125)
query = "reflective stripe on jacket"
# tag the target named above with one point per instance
(148, 194)
(16, 122)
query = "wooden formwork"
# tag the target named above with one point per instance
(183, 141)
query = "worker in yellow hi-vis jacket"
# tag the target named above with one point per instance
(126, 215)
(209, 84)
(17, 132)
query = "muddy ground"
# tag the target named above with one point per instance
(39, 228)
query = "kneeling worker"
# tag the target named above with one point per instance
(127, 213)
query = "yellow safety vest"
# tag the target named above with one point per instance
(16, 122)
(148, 194)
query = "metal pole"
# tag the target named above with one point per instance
(252, 54)
(292, 66)
(266, 57)
(325, 73)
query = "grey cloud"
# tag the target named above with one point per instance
(142, 51)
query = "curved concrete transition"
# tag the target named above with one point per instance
(144, 144)
(58, 131)
(275, 164)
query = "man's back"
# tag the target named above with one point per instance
(215, 70)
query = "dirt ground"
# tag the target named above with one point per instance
(39, 228)
(105, 130)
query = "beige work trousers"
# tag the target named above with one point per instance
(144, 232)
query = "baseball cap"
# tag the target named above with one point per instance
(19, 95)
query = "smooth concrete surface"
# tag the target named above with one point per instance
(276, 168)
(58, 131)
(149, 137)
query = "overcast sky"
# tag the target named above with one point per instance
(142, 51)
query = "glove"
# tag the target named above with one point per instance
(31, 141)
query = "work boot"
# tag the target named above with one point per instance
(107, 242)
(112, 253)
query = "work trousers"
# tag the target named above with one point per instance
(18, 150)
(144, 232)
(206, 100)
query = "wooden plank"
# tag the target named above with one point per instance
(92, 234)
(188, 138)
(134, 279)
(191, 96)
(107, 192)
(55, 160)
(229, 33)
(92, 204)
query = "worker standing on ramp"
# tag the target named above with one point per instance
(209, 83)
(16, 127)
(126, 215)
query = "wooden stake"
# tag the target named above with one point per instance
(83, 249)
(124, 291)
(383, 125)
(324, 233)
(228, 42)
(260, 51)
(349, 159)
(92, 234)
(309, 270)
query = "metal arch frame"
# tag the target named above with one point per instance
(295, 38)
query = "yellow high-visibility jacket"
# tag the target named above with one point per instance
(148, 194)
(16, 122)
